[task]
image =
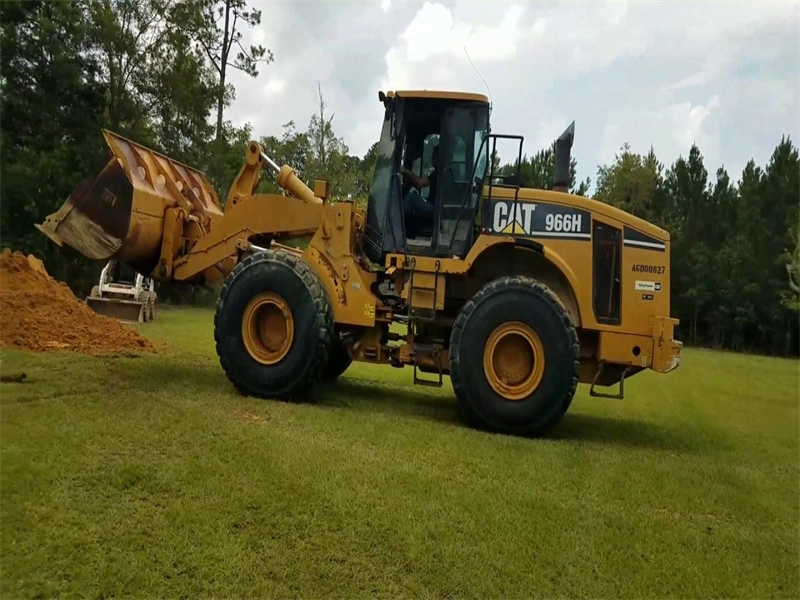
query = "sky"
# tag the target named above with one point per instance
(668, 74)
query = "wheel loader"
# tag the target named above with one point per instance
(124, 294)
(515, 294)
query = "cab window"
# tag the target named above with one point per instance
(460, 159)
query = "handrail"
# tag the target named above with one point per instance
(495, 137)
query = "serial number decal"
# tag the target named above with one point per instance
(652, 269)
(540, 219)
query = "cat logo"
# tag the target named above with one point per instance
(540, 219)
(508, 220)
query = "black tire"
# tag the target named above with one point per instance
(144, 299)
(338, 362)
(291, 278)
(153, 305)
(514, 299)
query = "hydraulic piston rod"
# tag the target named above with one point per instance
(271, 163)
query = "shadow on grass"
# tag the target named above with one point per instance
(163, 376)
(633, 433)
(441, 407)
(437, 405)
(362, 394)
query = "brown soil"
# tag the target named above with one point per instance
(39, 313)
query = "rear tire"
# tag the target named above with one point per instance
(273, 326)
(338, 362)
(514, 357)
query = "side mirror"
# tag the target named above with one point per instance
(388, 103)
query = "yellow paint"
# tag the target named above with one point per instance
(267, 328)
(514, 361)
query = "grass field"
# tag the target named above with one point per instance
(150, 476)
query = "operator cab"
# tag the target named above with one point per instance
(436, 139)
(123, 273)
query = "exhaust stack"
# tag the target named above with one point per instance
(562, 159)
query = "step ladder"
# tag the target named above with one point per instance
(417, 316)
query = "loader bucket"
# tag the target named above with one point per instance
(122, 310)
(118, 213)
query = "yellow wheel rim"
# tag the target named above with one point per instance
(268, 328)
(513, 360)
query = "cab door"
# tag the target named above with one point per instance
(463, 160)
(385, 231)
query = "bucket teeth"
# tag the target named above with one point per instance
(118, 211)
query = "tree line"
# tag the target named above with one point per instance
(158, 72)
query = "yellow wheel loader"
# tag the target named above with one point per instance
(516, 294)
(124, 294)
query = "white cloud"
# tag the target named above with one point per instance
(273, 86)
(434, 42)
(722, 75)
(674, 128)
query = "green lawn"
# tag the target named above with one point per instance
(151, 476)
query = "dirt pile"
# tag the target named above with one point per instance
(39, 313)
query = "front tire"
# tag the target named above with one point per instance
(273, 326)
(514, 357)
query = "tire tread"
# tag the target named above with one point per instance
(323, 308)
(494, 287)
